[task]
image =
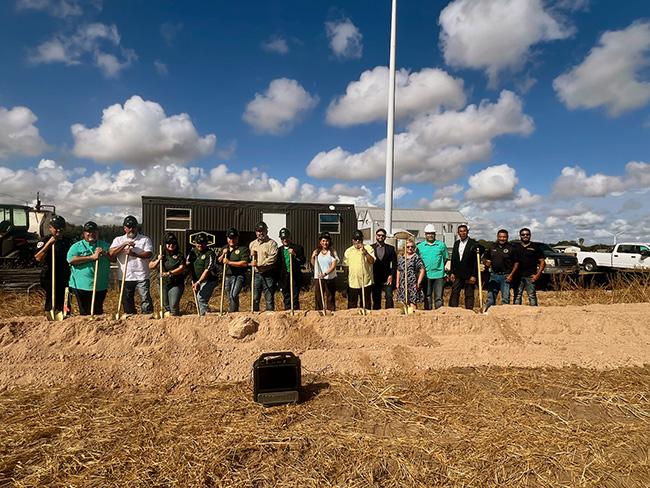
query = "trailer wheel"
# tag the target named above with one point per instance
(589, 265)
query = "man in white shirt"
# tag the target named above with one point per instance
(139, 249)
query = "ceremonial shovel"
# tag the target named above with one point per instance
(119, 315)
(223, 287)
(320, 286)
(161, 314)
(92, 301)
(407, 306)
(480, 279)
(363, 289)
(291, 280)
(54, 315)
(253, 280)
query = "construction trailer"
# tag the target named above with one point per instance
(187, 216)
(412, 220)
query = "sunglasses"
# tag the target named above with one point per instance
(410, 247)
(524, 234)
(381, 235)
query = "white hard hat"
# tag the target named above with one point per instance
(430, 229)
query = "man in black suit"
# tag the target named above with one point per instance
(384, 270)
(295, 253)
(464, 268)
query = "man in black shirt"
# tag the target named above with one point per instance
(384, 271)
(502, 261)
(531, 266)
(62, 269)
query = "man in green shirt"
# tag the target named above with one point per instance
(434, 254)
(237, 259)
(202, 263)
(83, 256)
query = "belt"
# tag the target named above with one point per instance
(501, 272)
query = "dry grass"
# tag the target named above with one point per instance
(464, 427)
(622, 287)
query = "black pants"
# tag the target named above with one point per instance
(285, 288)
(354, 297)
(377, 291)
(59, 292)
(458, 285)
(329, 290)
(85, 299)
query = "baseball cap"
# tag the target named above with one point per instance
(90, 226)
(357, 236)
(201, 239)
(57, 222)
(284, 232)
(232, 232)
(261, 226)
(130, 221)
(170, 238)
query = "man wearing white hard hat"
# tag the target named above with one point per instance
(434, 254)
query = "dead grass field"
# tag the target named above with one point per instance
(460, 427)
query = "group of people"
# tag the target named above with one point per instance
(418, 273)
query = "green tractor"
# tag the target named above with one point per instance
(20, 229)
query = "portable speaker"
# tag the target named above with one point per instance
(276, 378)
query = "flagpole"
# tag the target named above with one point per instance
(390, 130)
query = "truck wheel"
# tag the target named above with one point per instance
(590, 265)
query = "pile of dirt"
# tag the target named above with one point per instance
(140, 352)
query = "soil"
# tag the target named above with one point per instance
(141, 352)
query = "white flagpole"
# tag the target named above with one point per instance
(390, 136)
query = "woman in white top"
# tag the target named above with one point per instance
(324, 261)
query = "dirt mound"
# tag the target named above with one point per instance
(141, 352)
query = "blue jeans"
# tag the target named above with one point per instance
(529, 285)
(497, 284)
(172, 298)
(234, 284)
(264, 284)
(204, 294)
(142, 287)
(433, 287)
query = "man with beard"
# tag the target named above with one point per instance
(531, 267)
(264, 252)
(384, 270)
(502, 261)
(139, 249)
(83, 256)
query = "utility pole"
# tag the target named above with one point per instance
(390, 130)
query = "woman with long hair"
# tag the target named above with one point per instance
(324, 261)
(173, 274)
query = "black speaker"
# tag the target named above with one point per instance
(276, 378)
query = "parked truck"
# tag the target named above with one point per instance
(626, 255)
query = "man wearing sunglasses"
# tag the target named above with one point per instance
(384, 270)
(531, 266)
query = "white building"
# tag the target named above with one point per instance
(412, 220)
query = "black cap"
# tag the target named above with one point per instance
(261, 226)
(232, 232)
(57, 222)
(284, 232)
(325, 235)
(201, 239)
(130, 221)
(357, 236)
(170, 238)
(90, 226)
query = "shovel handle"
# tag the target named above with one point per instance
(119, 302)
(92, 302)
(479, 278)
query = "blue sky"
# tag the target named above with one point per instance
(517, 112)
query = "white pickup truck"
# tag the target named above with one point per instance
(627, 255)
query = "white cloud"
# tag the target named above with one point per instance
(586, 219)
(276, 44)
(366, 100)
(435, 147)
(610, 76)
(161, 68)
(345, 39)
(278, 109)
(492, 183)
(443, 203)
(89, 42)
(106, 196)
(141, 134)
(494, 35)
(525, 198)
(59, 8)
(18, 134)
(573, 182)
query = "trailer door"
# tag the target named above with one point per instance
(275, 222)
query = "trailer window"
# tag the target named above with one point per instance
(178, 218)
(329, 222)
